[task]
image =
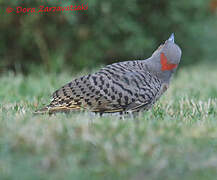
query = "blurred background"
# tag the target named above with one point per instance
(109, 31)
(39, 53)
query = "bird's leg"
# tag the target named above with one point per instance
(131, 114)
(121, 115)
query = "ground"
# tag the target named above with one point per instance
(177, 139)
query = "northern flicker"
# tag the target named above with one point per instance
(129, 86)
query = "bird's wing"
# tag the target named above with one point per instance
(94, 92)
(112, 89)
(77, 94)
(143, 86)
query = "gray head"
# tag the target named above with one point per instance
(164, 61)
(171, 50)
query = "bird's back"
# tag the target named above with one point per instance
(119, 87)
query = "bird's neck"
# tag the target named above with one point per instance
(154, 66)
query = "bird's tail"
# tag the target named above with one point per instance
(54, 109)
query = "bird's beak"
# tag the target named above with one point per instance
(172, 38)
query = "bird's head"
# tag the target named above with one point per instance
(169, 53)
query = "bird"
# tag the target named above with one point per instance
(124, 87)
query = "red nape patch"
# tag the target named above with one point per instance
(166, 66)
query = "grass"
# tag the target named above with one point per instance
(177, 139)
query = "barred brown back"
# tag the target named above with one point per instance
(116, 88)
